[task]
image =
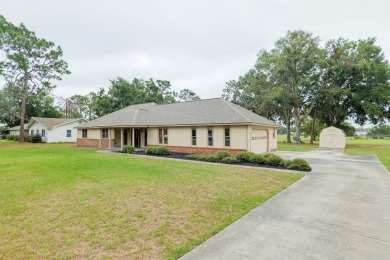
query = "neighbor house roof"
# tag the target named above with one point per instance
(202, 112)
(17, 128)
(53, 122)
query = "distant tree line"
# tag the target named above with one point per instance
(301, 84)
(122, 93)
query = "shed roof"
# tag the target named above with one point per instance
(202, 112)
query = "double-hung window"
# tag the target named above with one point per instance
(193, 134)
(43, 133)
(32, 132)
(84, 133)
(68, 133)
(210, 136)
(163, 136)
(227, 136)
(104, 133)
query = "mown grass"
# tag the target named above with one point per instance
(360, 145)
(378, 147)
(57, 201)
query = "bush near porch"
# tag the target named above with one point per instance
(58, 201)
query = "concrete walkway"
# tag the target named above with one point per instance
(341, 210)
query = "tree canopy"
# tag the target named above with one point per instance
(298, 79)
(30, 63)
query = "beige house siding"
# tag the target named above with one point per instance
(241, 137)
(91, 133)
(181, 136)
(238, 137)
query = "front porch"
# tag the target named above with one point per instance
(116, 138)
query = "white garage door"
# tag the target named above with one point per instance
(259, 141)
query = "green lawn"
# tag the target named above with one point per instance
(57, 201)
(378, 147)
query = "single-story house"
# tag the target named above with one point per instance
(55, 130)
(16, 130)
(203, 126)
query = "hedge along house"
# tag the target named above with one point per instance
(53, 130)
(204, 126)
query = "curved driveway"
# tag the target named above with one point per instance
(341, 210)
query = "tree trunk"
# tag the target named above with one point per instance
(297, 126)
(313, 123)
(287, 117)
(312, 137)
(23, 110)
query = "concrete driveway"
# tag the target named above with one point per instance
(341, 210)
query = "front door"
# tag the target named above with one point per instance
(137, 138)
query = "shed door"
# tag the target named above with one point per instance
(259, 141)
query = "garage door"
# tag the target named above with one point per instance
(259, 141)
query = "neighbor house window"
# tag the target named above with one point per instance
(210, 136)
(84, 133)
(43, 133)
(193, 136)
(104, 133)
(32, 132)
(38, 132)
(163, 136)
(227, 136)
(68, 133)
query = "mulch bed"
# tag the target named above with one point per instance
(182, 156)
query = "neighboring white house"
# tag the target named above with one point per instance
(55, 130)
(16, 130)
(332, 137)
(204, 126)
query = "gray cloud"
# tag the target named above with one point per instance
(194, 44)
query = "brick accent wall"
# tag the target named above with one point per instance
(202, 150)
(85, 142)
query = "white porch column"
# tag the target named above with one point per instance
(122, 135)
(109, 139)
(132, 137)
(100, 138)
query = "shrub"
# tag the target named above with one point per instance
(193, 156)
(27, 138)
(203, 157)
(230, 160)
(299, 165)
(243, 156)
(266, 155)
(222, 154)
(36, 139)
(258, 159)
(158, 150)
(287, 163)
(128, 149)
(275, 160)
(11, 137)
(212, 158)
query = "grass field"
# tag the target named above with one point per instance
(378, 147)
(57, 201)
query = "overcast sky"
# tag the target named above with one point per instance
(198, 45)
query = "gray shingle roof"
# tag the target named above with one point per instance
(17, 128)
(53, 122)
(202, 112)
